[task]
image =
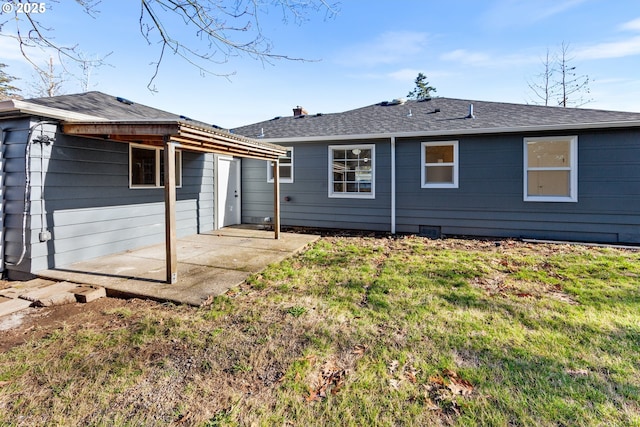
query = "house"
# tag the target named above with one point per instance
(446, 166)
(92, 174)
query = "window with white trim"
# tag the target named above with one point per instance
(352, 171)
(439, 164)
(551, 169)
(286, 167)
(146, 167)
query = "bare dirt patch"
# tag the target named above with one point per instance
(36, 322)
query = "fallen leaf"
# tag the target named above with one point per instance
(359, 349)
(460, 386)
(313, 396)
(393, 383)
(449, 373)
(4, 383)
(393, 365)
(411, 376)
(436, 379)
(524, 295)
(428, 403)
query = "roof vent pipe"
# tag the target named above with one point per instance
(471, 115)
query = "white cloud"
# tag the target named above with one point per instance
(387, 48)
(512, 13)
(617, 49)
(463, 56)
(10, 51)
(486, 60)
(9, 48)
(633, 25)
(404, 74)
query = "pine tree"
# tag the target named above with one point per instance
(422, 90)
(7, 89)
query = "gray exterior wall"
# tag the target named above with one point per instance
(80, 193)
(309, 203)
(488, 201)
(13, 188)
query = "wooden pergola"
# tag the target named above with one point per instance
(188, 136)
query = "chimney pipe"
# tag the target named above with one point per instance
(471, 115)
(299, 111)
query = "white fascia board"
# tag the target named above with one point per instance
(42, 111)
(458, 132)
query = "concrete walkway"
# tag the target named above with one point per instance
(208, 265)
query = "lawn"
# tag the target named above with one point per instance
(357, 331)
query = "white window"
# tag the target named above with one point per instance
(439, 164)
(352, 171)
(146, 167)
(286, 167)
(551, 169)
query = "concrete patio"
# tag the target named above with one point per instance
(208, 265)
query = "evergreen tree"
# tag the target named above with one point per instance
(7, 89)
(422, 89)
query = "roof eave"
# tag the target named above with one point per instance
(29, 109)
(460, 132)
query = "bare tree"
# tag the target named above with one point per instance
(221, 29)
(50, 81)
(574, 87)
(543, 85)
(559, 83)
(87, 67)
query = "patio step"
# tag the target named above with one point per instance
(11, 305)
(45, 293)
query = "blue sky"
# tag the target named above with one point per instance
(369, 52)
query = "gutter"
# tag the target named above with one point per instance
(457, 132)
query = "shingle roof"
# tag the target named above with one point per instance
(106, 106)
(143, 123)
(444, 115)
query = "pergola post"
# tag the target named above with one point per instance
(276, 198)
(170, 210)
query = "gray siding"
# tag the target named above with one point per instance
(488, 202)
(13, 190)
(80, 193)
(309, 203)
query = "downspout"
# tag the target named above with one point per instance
(393, 185)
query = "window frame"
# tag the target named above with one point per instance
(347, 195)
(158, 160)
(424, 165)
(572, 197)
(270, 169)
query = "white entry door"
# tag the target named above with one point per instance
(228, 211)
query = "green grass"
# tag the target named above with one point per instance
(360, 331)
